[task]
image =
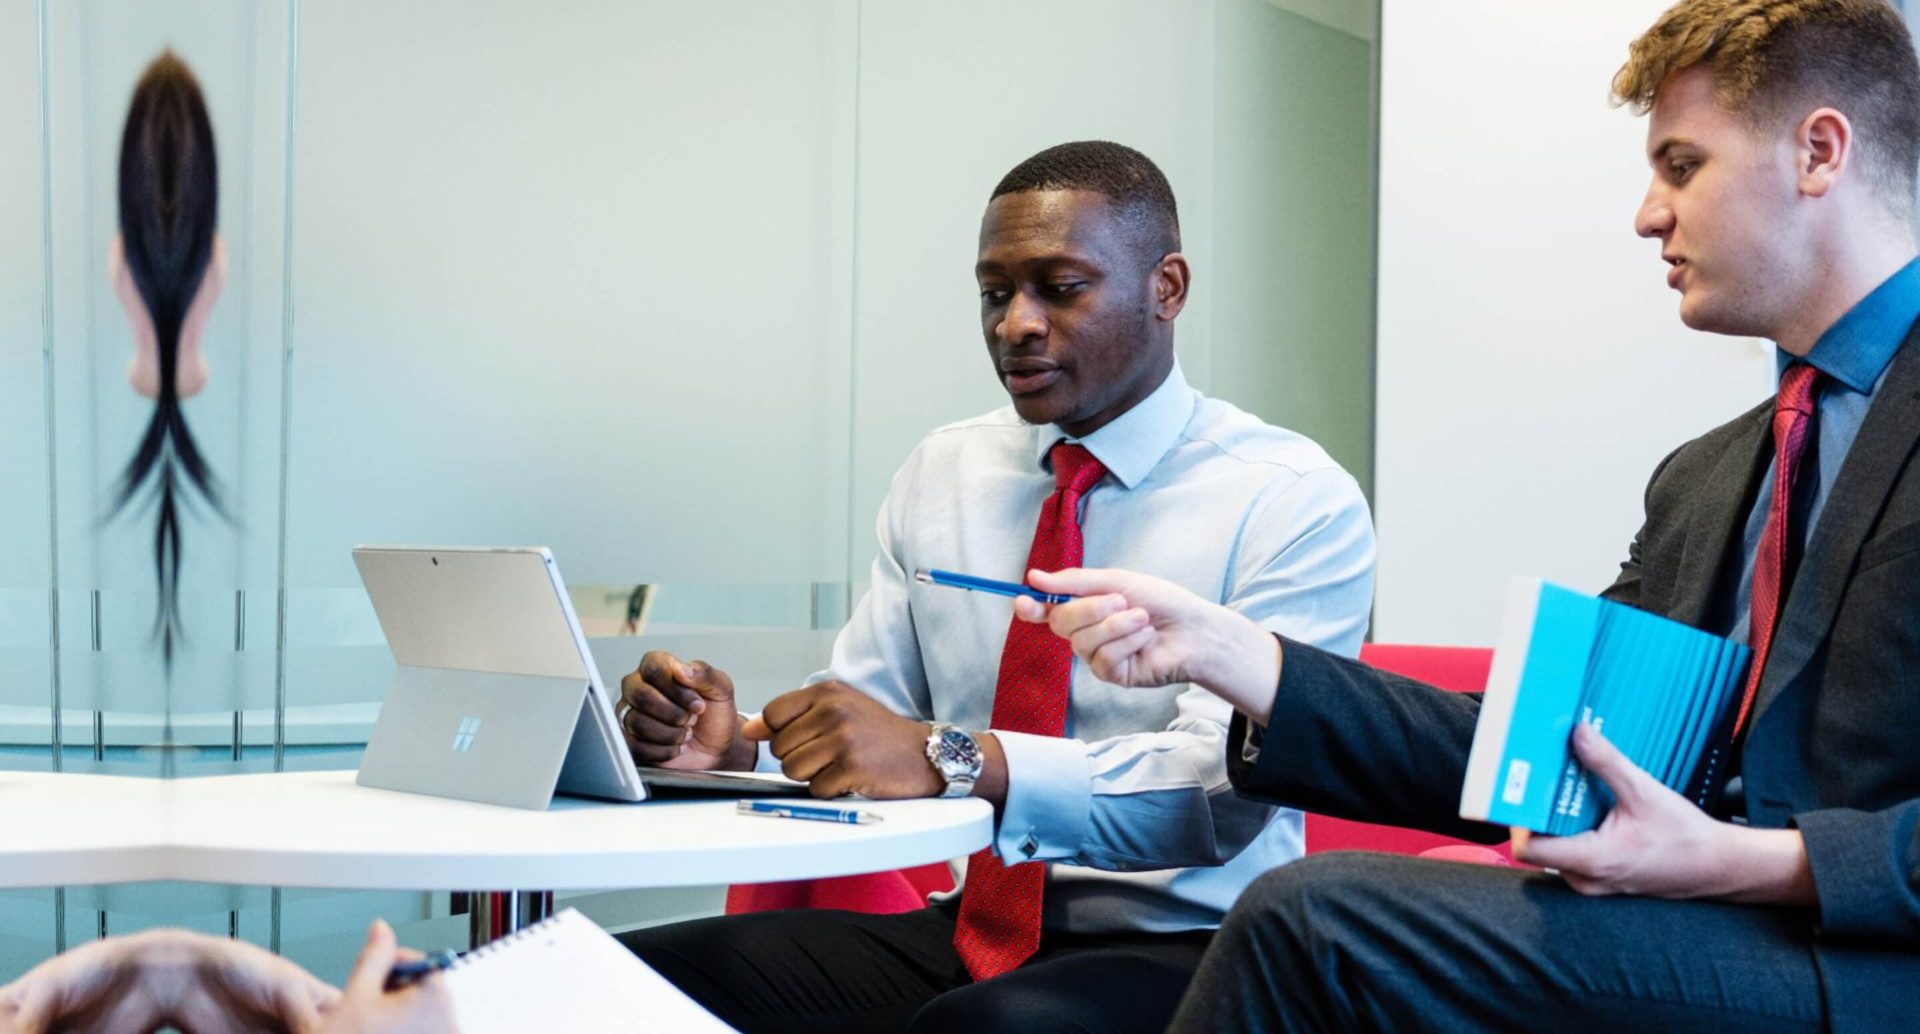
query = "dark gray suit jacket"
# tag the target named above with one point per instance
(1834, 745)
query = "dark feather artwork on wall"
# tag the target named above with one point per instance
(168, 266)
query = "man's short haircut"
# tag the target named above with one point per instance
(1775, 59)
(1128, 178)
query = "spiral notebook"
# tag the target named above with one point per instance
(568, 974)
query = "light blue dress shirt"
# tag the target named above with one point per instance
(1132, 806)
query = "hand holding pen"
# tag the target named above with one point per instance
(1138, 630)
(412, 970)
(974, 583)
(369, 1005)
(840, 740)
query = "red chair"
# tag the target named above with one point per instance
(1456, 668)
(881, 893)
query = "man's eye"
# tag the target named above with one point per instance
(1681, 170)
(1064, 288)
(993, 295)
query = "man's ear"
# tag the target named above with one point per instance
(1823, 151)
(1171, 279)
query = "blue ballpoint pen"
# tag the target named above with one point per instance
(952, 580)
(816, 812)
(409, 970)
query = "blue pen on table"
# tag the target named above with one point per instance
(953, 580)
(815, 812)
(409, 971)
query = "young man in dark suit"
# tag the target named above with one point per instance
(1784, 137)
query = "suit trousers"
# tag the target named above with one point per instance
(1355, 941)
(850, 972)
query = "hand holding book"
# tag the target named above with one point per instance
(1625, 808)
(1657, 843)
(1659, 690)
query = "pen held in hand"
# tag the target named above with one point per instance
(955, 580)
(409, 971)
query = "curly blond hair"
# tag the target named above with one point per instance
(1777, 58)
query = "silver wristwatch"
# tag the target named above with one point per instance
(955, 754)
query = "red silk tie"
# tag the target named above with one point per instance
(999, 925)
(1792, 418)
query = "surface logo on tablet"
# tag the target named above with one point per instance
(463, 740)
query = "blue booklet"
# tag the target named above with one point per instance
(1659, 690)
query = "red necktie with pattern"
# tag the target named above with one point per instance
(1792, 419)
(999, 924)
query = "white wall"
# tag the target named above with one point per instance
(1532, 368)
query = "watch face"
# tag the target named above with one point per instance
(958, 747)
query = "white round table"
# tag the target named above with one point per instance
(319, 829)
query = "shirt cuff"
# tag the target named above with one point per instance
(1243, 749)
(1250, 745)
(1049, 798)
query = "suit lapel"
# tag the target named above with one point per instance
(1878, 454)
(1719, 517)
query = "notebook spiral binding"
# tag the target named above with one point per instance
(502, 942)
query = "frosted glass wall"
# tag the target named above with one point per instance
(670, 288)
(109, 661)
(27, 918)
(579, 280)
(25, 576)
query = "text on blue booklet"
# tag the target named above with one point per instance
(1657, 689)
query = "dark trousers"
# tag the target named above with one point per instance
(846, 972)
(1366, 942)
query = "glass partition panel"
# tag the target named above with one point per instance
(120, 702)
(580, 280)
(116, 692)
(27, 917)
(26, 677)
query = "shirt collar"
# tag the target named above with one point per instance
(1857, 349)
(1132, 443)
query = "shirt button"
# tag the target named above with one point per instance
(1029, 846)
